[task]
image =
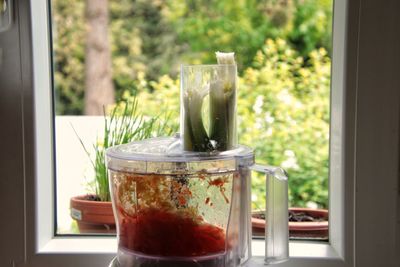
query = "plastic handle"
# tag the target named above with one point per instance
(276, 214)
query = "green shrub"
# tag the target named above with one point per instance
(284, 115)
(311, 27)
(69, 55)
(158, 97)
(151, 37)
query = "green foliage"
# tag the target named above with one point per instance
(311, 27)
(69, 55)
(220, 25)
(150, 38)
(284, 116)
(142, 41)
(158, 97)
(243, 25)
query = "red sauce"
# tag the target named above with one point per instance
(163, 233)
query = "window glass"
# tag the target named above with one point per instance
(109, 54)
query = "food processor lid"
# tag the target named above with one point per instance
(165, 155)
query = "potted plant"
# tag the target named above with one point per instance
(303, 223)
(93, 212)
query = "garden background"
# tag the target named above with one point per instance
(283, 50)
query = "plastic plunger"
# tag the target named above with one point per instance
(208, 126)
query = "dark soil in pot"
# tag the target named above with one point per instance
(304, 223)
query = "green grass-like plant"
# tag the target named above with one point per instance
(122, 124)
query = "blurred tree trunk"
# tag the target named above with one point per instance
(99, 90)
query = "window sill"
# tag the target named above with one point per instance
(108, 245)
(80, 245)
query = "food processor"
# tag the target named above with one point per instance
(185, 200)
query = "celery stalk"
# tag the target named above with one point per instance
(223, 104)
(196, 138)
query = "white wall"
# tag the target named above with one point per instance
(73, 166)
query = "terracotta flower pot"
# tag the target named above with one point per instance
(308, 229)
(92, 216)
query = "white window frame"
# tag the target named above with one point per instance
(364, 148)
